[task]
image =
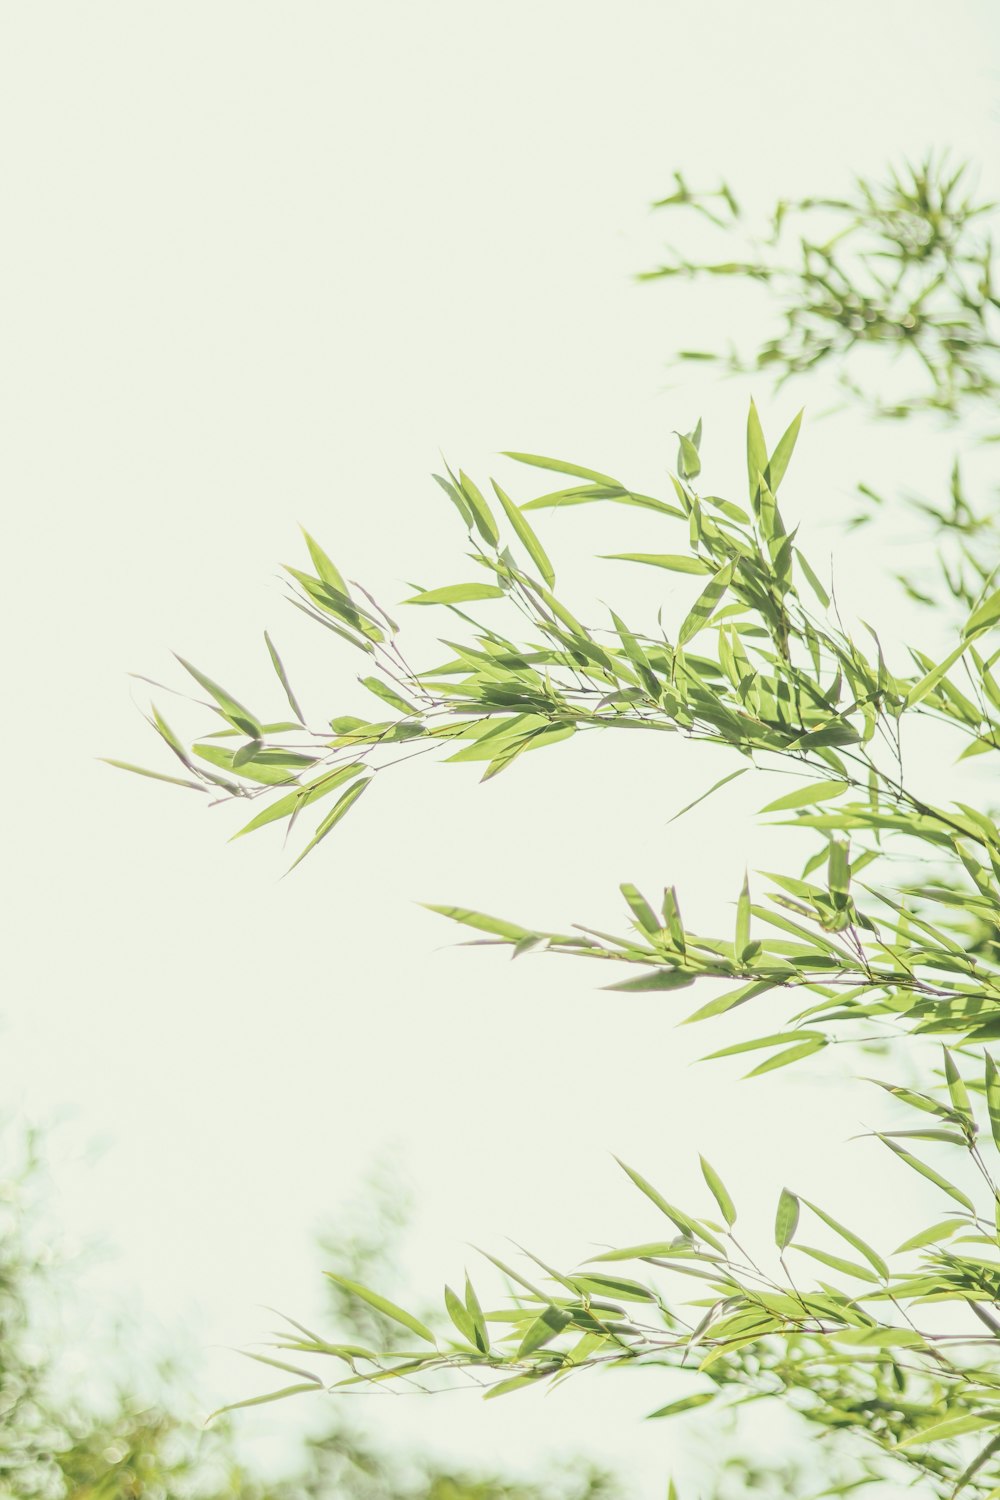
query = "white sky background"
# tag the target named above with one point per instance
(260, 263)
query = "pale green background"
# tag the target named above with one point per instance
(259, 263)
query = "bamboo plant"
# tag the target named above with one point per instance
(887, 925)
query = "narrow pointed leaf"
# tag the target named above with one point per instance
(342, 806)
(778, 462)
(384, 1306)
(276, 662)
(718, 1190)
(526, 536)
(546, 1327)
(560, 467)
(786, 1219)
(124, 765)
(457, 593)
(232, 710)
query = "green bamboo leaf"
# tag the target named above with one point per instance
(169, 738)
(688, 1226)
(681, 1220)
(457, 499)
(654, 979)
(124, 765)
(673, 562)
(957, 1091)
(257, 762)
(560, 467)
(640, 908)
(932, 1236)
(713, 788)
(481, 513)
(686, 1403)
(838, 1263)
(756, 452)
(930, 680)
(700, 612)
(993, 1098)
(459, 1316)
(718, 1190)
(457, 593)
(342, 806)
(807, 796)
(871, 1256)
(384, 1306)
(973, 1467)
(639, 1252)
(327, 600)
(515, 1276)
(288, 1390)
(475, 1312)
(689, 460)
(282, 676)
(929, 1173)
(774, 1039)
(546, 1327)
(503, 1387)
(987, 614)
(535, 739)
(526, 536)
(281, 1364)
(839, 868)
(949, 1137)
(614, 494)
(482, 922)
(763, 1327)
(730, 999)
(246, 753)
(742, 938)
(914, 1100)
(672, 917)
(779, 460)
(620, 1287)
(813, 581)
(879, 1338)
(790, 1055)
(285, 806)
(230, 709)
(786, 1220)
(951, 1427)
(561, 612)
(325, 569)
(388, 695)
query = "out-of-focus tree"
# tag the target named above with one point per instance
(902, 266)
(67, 1438)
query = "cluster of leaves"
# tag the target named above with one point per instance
(848, 1353)
(900, 263)
(757, 660)
(785, 687)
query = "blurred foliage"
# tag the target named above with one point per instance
(888, 930)
(65, 1435)
(904, 265)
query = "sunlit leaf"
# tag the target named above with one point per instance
(719, 1192)
(384, 1306)
(786, 1219)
